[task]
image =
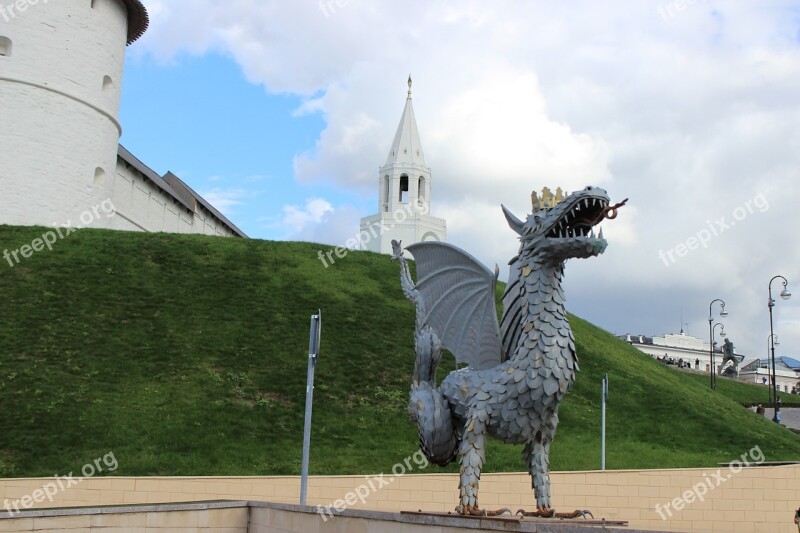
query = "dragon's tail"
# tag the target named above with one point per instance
(427, 405)
(437, 437)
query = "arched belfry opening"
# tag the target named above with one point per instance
(403, 196)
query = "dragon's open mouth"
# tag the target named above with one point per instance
(581, 219)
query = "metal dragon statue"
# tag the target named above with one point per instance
(518, 370)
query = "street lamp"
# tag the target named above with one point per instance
(785, 295)
(771, 340)
(714, 343)
(722, 313)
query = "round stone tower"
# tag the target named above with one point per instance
(60, 78)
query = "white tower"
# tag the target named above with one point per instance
(404, 196)
(60, 78)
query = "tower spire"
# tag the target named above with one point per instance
(406, 148)
(404, 187)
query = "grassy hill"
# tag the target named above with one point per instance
(187, 355)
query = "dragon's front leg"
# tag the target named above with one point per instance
(537, 456)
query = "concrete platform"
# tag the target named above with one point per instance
(265, 517)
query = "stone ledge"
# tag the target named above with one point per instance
(435, 521)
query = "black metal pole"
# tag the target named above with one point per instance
(770, 304)
(770, 340)
(710, 350)
(711, 370)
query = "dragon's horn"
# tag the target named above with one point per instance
(514, 223)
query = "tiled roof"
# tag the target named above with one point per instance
(138, 19)
(176, 188)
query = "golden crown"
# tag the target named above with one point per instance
(547, 200)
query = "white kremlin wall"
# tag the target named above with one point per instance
(61, 65)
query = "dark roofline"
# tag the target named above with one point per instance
(138, 19)
(177, 189)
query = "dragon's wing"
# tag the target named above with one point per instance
(459, 296)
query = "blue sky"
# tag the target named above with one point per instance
(280, 114)
(199, 118)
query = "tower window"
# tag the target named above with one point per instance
(403, 189)
(108, 83)
(99, 177)
(5, 46)
(421, 191)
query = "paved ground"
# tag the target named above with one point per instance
(790, 416)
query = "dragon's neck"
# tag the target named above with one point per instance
(543, 317)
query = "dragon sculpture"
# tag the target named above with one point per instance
(518, 370)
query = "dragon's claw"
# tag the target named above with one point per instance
(474, 510)
(540, 512)
(547, 512)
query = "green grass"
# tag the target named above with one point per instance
(186, 355)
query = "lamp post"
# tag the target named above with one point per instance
(714, 343)
(785, 295)
(722, 313)
(771, 340)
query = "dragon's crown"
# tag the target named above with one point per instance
(547, 200)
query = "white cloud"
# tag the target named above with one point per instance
(226, 200)
(688, 115)
(296, 219)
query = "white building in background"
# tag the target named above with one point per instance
(787, 372)
(679, 346)
(61, 65)
(692, 349)
(404, 193)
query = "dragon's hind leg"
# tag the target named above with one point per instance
(472, 455)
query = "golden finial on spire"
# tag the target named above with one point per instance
(409, 85)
